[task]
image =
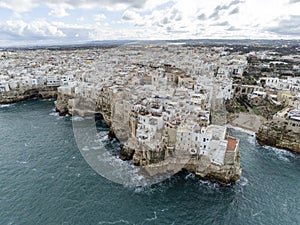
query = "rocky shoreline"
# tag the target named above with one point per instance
(268, 132)
(26, 94)
(153, 162)
(223, 174)
(278, 136)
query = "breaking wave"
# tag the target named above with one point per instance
(6, 105)
(281, 154)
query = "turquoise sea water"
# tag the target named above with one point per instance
(45, 180)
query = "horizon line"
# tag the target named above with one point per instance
(91, 42)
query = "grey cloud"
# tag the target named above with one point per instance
(235, 2)
(100, 3)
(176, 31)
(178, 18)
(294, 1)
(157, 24)
(69, 4)
(225, 7)
(175, 15)
(127, 16)
(232, 28)
(165, 20)
(201, 16)
(234, 11)
(288, 26)
(216, 14)
(169, 18)
(225, 23)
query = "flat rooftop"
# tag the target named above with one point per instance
(232, 144)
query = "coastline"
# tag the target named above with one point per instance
(248, 121)
(14, 96)
(244, 130)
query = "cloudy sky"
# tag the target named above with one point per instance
(73, 21)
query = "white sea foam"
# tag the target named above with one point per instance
(78, 118)
(96, 147)
(115, 222)
(6, 105)
(54, 114)
(46, 99)
(85, 148)
(209, 184)
(102, 137)
(113, 167)
(251, 140)
(243, 181)
(150, 219)
(190, 176)
(281, 153)
(252, 133)
(22, 162)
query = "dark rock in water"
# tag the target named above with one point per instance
(61, 112)
(126, 153)
(111, 135)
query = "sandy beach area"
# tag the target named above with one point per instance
(248, 121)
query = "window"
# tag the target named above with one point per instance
(203, 139)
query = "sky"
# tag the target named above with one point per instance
(28, 22)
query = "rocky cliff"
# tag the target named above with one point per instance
(25, 94)
(157, 158)
(279, 135)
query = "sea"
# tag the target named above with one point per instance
(44, 179)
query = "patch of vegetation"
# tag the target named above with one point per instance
(255, 110)
(243, 108)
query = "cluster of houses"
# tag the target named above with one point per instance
(166, 92)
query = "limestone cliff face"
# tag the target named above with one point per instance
(223, 174)
(156, 157)
(61, 104)
(279, 135)
(25, 94)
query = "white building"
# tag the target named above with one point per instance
(148, 126)
(4, 86)
(53, 80)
